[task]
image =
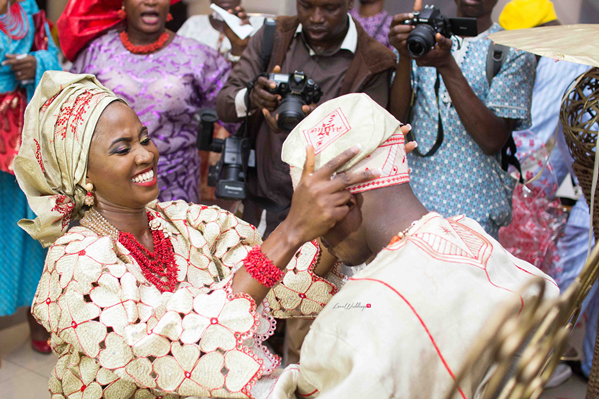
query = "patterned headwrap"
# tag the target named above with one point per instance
(52, 163)
(338, 125)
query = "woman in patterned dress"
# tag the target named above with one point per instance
(21, 258)
(148, 299)
(164, 77)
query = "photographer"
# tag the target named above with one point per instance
(464, 112)
(326, 44)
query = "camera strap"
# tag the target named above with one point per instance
(382, 25)
(270, 29)
(262, 202)
(440, 131)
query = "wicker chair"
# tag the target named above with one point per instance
(521, 350)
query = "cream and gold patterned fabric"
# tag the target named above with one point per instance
(403, 326)
(52, 163)
(117, 336)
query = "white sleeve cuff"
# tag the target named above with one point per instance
(240, 103)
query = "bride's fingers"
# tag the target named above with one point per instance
(340, 198)
(310, 161)
(411, 146)
(344, 180)
(336, 163)
(405, 129)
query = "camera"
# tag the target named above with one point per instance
(296, 90)
(228, 175)
(428, 23)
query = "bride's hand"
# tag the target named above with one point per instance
(320, 201)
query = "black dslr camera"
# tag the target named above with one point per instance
(228, 175)
(297, 90)
(429, 22)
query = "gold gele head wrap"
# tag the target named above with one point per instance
(51, 166)
(340, 124)
(524, 14)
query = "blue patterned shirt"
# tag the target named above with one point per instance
(460, 178)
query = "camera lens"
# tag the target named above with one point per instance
(421, 40)
(291, 112)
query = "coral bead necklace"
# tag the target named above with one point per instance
(144, 49)
(14, 23)
(158, 267)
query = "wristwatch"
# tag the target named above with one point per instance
(233, 58)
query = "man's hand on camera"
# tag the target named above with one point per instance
(260, 97)
(272, 121)
(309, 108)
(439, 55)
(398, 34)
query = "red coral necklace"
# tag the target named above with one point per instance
(146, 48)
(158, 267)
(14, 22)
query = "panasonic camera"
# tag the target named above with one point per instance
(296, 90)
(228, 175)
(428, 23)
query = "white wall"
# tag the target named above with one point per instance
(277, 7)
(568, 11)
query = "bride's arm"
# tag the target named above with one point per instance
(318, 203)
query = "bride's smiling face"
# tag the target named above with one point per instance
(122, 159)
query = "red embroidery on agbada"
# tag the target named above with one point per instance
(422, 323)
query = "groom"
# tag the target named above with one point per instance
(402, 326)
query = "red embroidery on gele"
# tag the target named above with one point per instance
(75, 110)
(333, 126)
(187, 374)
(48, 301)
(303, 296)
(38, 155)
(214, 320)
(82, 252)
(74, 324)
(48, 102)
(65, 207)
(83, 388)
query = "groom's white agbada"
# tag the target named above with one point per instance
(401, 327)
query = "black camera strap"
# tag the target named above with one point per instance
(440, 131)
(382, 25)
(270, 29)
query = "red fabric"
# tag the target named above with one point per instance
(40, 37)
(84, 20)
(12, 112)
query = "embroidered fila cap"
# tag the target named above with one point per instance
(340, 124)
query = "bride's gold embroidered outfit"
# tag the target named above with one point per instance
(115, 334)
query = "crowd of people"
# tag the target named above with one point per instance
(144, 288)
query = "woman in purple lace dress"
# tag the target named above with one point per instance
(166, 81)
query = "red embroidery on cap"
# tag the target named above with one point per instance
(333, 126)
